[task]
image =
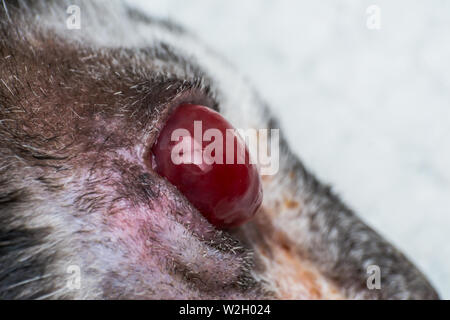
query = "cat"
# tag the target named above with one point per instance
(83, 217)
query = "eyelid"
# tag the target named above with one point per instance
(162, 91)
(202, 96)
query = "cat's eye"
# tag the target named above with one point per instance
(201, 153)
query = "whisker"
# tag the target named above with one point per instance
(48, 295)
(24, 282)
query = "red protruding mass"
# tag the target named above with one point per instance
(201, 153)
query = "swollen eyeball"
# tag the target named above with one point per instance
(201, 153)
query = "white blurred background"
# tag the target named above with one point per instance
(367, 110)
